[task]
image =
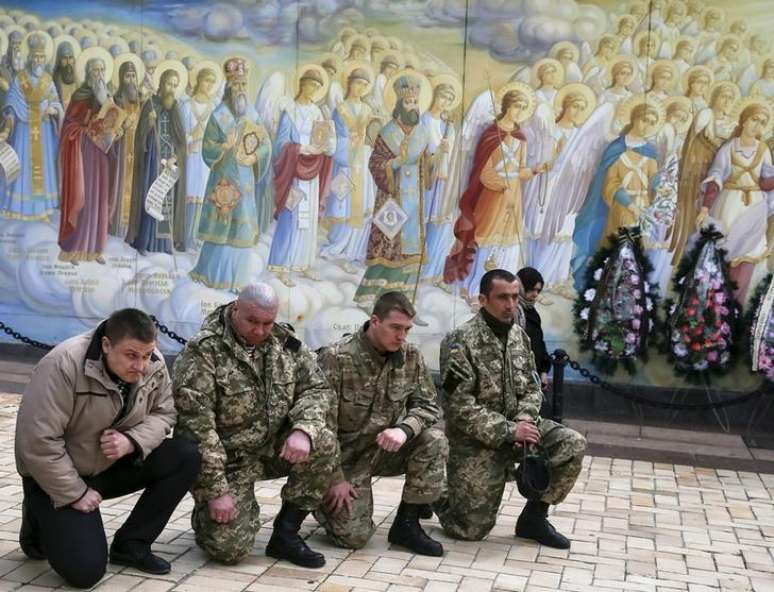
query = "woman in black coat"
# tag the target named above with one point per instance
(532, 282)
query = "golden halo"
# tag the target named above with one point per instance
(46, 25)
(349, 67)
(706, 11)
(747, 102)
(577, 88)
(728, 83)
(217, 70)
(425, 90)
(683, 38)
(15, 29)
(91, 53)
(382, 41)
(617, 60)
(395, 43)
(361, 38)
(6, 23)
(73, 43)
(761, 61)
(727, 37)
(323, 90)
(120, 60)
(108, 41)
(687, 106)
(371, 32)
(664, 64)
(624, 111)
(49, 45)
(540, 63)
(625, 17)
(28, 19)
(177, 66)
(522, 88)
(3, 42)
(454, 82)
(335, 58)
(348, 30)
(80, 34)
(640, 36)
(689, 72)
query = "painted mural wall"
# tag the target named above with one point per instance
(170, 152)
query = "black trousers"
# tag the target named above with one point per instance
(75, 542)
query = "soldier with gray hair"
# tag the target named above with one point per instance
(252, 396)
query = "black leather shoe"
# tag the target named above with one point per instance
(143, 561)
(285, 542)
(533, 524)
(406, 532)
(29, 538)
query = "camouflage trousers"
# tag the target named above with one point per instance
(421, 460)
(306, 484)
(477, 475)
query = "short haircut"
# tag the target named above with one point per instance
(130, 323)
(390, 301)
(490, 276)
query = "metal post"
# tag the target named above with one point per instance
(559, 360)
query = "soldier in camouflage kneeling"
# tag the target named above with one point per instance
(492, 409)
(385, 405)
(255, 400)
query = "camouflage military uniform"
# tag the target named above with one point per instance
(240, 407)
(375, 392)
(489, 387)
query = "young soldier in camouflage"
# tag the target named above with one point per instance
(384, 410)
(493, 399)
(255, 400)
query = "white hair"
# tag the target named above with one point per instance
(260, 294)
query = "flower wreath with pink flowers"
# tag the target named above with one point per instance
(616, 312)
(703, 322)
(760, 319)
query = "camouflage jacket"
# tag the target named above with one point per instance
(372, 392)
(489, 385)
(234, 404)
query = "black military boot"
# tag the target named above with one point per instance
(285, 542)
(533, 524)
(29, 537)
(425, 511)
(407, 532)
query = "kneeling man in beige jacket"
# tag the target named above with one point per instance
(93, 425)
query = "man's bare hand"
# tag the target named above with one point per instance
(115, 445)
(340, 497)
(222, 509)
(391, 439)
(526, 431)
(296, 448)
(89, 502)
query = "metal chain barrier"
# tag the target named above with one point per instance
(19, 337)
(168, 332)
(561, 358)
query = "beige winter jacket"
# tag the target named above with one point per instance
(70, 400)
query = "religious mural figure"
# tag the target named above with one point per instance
(350, 206)
(64, 73)
(195, 113)
(490, 226)
(302, 175)
(89, 173)
(128, 98)
(737, 195)
(32, 116)
(398, 165)
(159, 142)
(11, 65)
(237, 150)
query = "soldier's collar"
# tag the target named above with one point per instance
(497, 326)
(397, 358)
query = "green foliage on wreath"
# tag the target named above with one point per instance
(617, 343)
(752, 317)
(701, 336)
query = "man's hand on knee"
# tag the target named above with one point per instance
(391, 439)
(296, 448)
(340, 497)
(222, 509)
(89, 502)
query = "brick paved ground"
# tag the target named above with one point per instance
(635, 525)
